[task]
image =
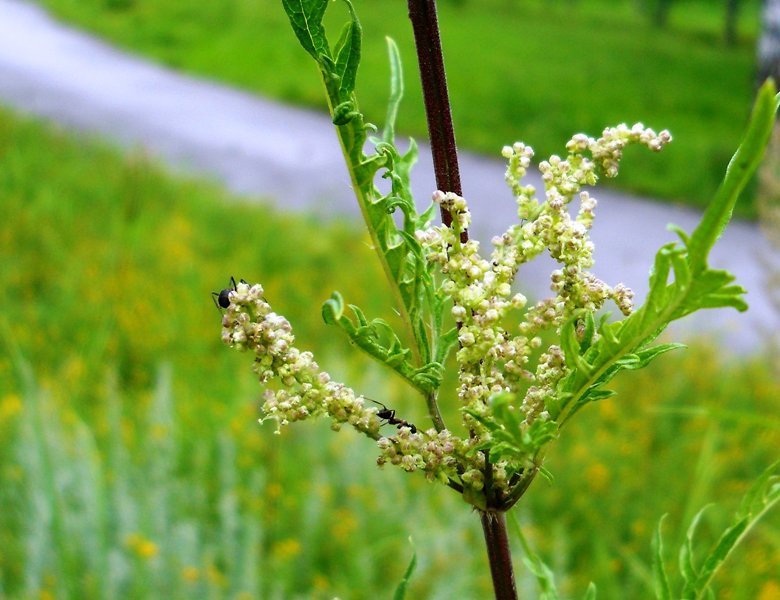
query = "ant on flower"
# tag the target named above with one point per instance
(388, 414)
(222, 299)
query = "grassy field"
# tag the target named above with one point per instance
(132, 464)
(531, 70)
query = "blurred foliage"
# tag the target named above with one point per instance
(130, 456)
(530, 70)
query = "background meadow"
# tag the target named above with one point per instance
(131, 461)
(534, 70)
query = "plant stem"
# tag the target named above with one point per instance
(445, 163)
(437, 103)
(499, 555)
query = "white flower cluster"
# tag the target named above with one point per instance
(302, 389)
(491, 359)
(608, 149)
(438, 454)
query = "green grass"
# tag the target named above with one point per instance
(132, 464)
(534, 71)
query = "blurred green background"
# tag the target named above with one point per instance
(531, 70)
(131, 461)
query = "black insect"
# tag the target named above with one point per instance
(222, 299)
(388, 414)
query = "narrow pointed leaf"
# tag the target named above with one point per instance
(660, 579)
(400, 591)
(396, 90)
(687, 567)
(762, 496)
(740, 169)
(348, 54)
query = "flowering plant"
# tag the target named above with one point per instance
(519, 385)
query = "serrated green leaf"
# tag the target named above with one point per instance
(583, 367)
(588, 332)
(628, 361)
(504, 413)
(378, 339)
(360, 316)
(650, 354)
(682, 272)
(429, 376)
(401, 256)
(306, 20)
(569, 344)
(510, 439)
(610, 334)
(659, 274)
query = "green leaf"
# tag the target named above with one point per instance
(446, 343)
(569, 343)
(660, 578)
(344, 113)
(377, 339)
(595, 394)
(409, 274)
(333, 309)
(543, 574)
(685, 559)
(738, 173)
(510, 439)
(717, 556)
(590, 593)
(599, 363)
(588, 332)
(306, 20)
(762, 496)
(396, 90)
(348, 53)
(400, 591)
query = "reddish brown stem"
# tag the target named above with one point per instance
(499, 555)
(437, 103)
(445, 163)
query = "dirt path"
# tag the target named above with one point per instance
(254, 146)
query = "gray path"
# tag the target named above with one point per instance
(255, 147)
